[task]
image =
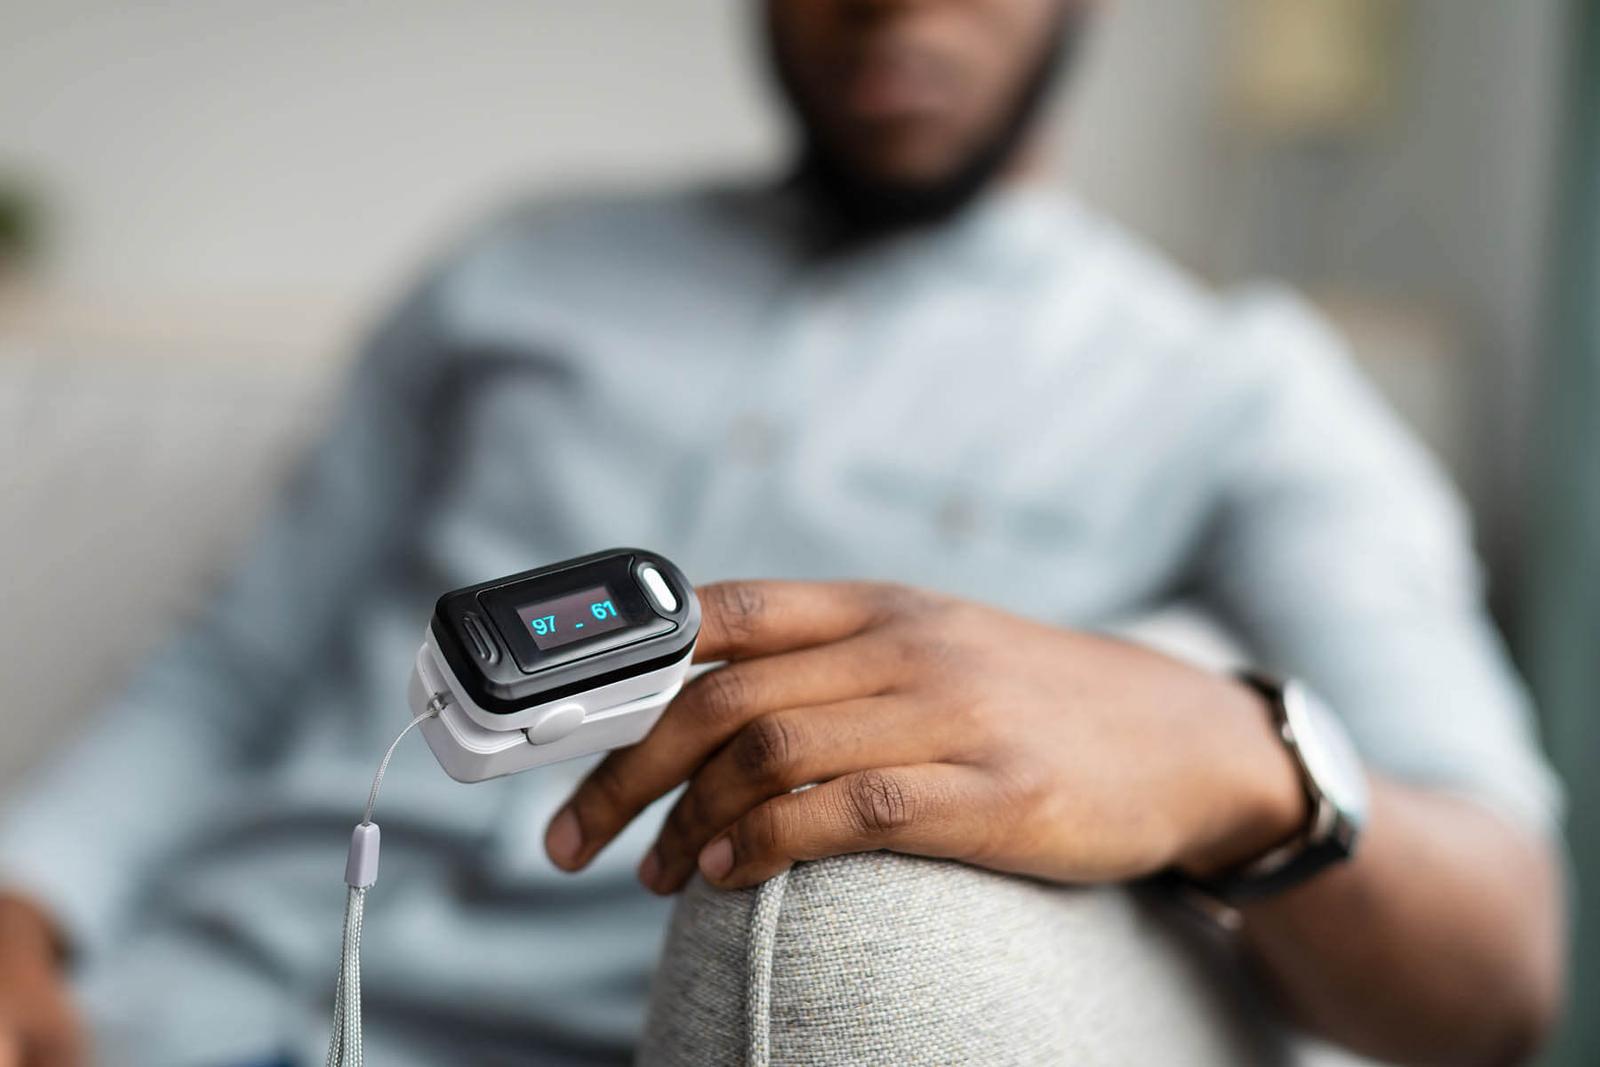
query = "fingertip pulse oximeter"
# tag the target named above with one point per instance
(553, 663)
(563, 661)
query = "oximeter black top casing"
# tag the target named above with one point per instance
(554, 663)
(605, 623)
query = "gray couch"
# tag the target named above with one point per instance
(887, 959)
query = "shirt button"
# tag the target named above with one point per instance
(754, 439)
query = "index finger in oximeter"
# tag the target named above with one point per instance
(562, 661)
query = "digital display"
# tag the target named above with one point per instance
(564, 619)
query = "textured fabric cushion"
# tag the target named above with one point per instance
(887, 959)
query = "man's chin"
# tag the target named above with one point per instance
(911, 171)
(883, 194)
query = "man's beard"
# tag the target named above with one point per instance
(866, 207)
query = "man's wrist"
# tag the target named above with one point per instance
(1255, 798)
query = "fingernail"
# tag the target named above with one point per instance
(716, 859)
(563, 840)
(650, 870)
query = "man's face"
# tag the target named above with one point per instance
(908, 92)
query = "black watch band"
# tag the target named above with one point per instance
(1330, 832)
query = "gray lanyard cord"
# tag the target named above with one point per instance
(360, 872)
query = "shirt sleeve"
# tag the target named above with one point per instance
(1341, 556)
(84, 832)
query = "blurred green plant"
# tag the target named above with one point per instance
(21, 223)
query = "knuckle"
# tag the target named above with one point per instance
(724, 693)
(977, 700)
(767, 749)
(927, 648)
(758, 836)
(605, 793)
(902, 647)
(686, 816)
(937, 651)
(878, 803)
(738, 606)
(896, 600)
(1024, 787)
(968, 718)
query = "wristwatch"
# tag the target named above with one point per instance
(1336, 794)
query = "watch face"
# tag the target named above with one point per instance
(1329, 755)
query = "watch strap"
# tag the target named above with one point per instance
(1327, 837)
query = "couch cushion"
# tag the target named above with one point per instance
(888, 959)
(128, 482)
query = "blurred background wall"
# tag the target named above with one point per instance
(205, 201)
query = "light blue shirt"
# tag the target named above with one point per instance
(1023, 407)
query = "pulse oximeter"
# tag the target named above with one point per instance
(563, 661)
(553, 663)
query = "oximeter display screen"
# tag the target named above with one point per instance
(564, 619)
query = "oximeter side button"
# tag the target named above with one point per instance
(482, 643)
(555, 724)
(660, 591)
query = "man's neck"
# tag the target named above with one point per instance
(853, 214)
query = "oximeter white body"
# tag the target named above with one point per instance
(554, 663)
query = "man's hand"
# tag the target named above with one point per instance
(38, 1027)
(939, 727)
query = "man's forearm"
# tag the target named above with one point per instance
(1440, 942)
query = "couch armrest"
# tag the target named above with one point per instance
(882, 958)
